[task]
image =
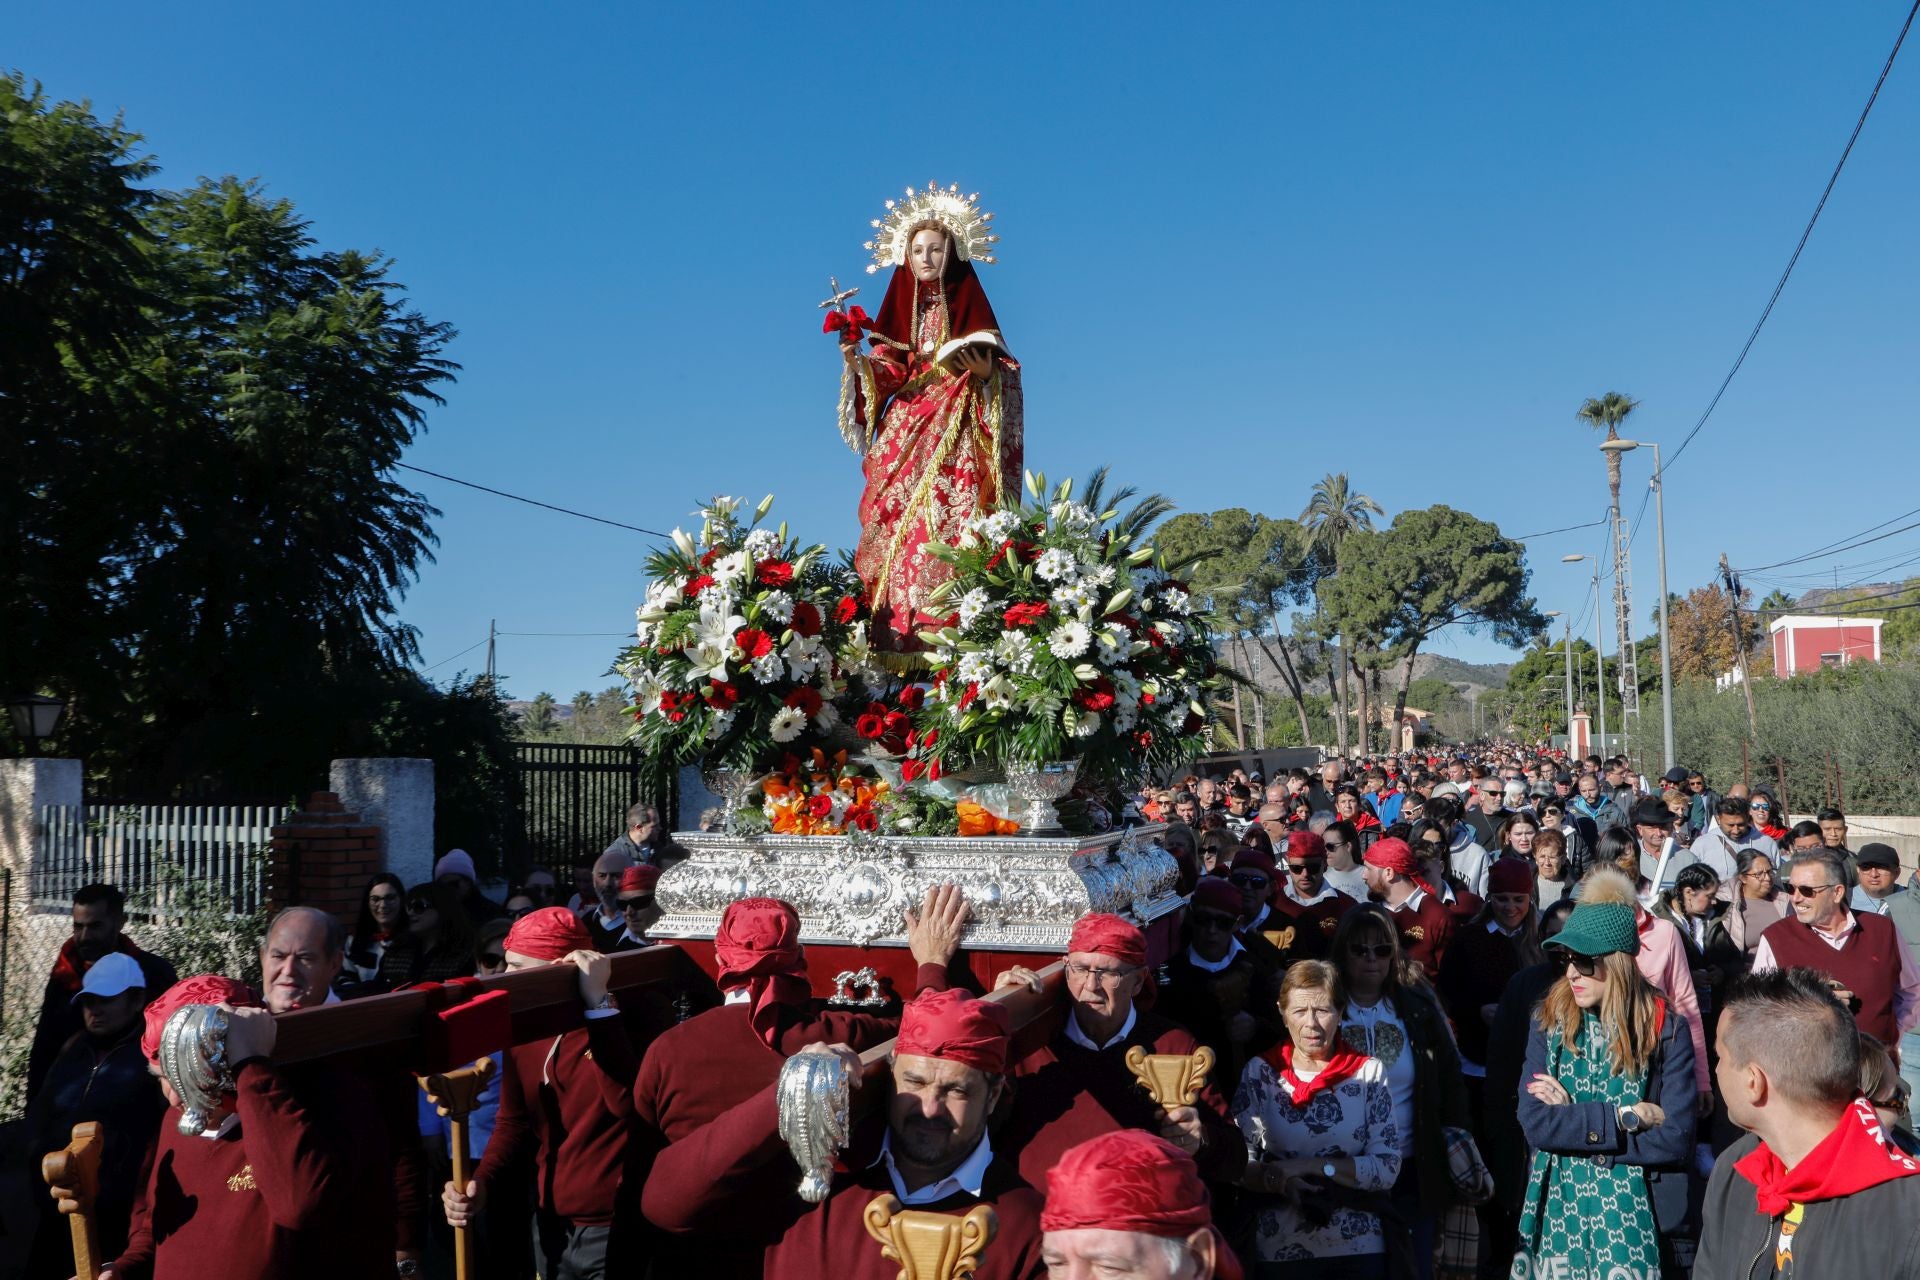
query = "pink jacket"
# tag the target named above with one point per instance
(1663, 962)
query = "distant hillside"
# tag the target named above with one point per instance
(1481, 675)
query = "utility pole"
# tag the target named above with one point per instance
(491, 633)
(1739, 648)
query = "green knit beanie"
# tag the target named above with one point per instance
(1599, 929)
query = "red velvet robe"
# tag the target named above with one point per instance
(717, 1181)
(1065, 1094)
(300, 1189)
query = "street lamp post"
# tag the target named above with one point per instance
(1666, 645)
(1599, 654)
(34, 717)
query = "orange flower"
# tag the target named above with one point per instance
(976, 821)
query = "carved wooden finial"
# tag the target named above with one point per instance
(931, 1246)
(75, 1170)
(1174, 1079)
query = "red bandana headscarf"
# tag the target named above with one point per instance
(639, 879)
(205, 988)
(1344, 1063)
(1394, 854)
(1131, 1180)
(1216, 894)
(758, 947)
(1854, 1157)
(1104, 934)
(1305, 846)
(548, 934)
(955, 1026)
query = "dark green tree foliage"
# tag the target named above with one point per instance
(1430, 569)
(200, 408)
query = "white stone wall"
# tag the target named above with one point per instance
(1900, 832)
(396, 795)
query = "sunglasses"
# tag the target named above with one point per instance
(636, 904)
(1377, 950)
(1336, 844)
(1245, 880)
(1214, 920)
(1809, 890)
(417, 905)
(1585, 966)
(1302, 868)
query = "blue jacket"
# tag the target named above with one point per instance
(1593, 1128)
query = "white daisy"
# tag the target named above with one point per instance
(1014, 651)
(769, 669)
(998, 526)
(1073, 597)
(718, 726)
(974, 666)
(1176, 600)
(973, 605)
(1056, 565)
(1100, 575)
(730, 568)
(787, 724)
(1073, 516)
(777, 605)
(761, 544)
(1070, 641)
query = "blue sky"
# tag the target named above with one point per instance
(1244, 246)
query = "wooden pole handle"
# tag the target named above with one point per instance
(75, 1170)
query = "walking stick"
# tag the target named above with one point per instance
(454, 1095)
(75, 1169)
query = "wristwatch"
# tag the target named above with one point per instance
(1630, 1121)
(1326, 1171)
(407, 1267)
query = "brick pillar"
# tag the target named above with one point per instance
(323, 857)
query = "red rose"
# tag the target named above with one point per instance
(819, 806)
(696, 585)
(1097, 696)
(872, 723)
(1025, 615)
(722, 695)
(912, 698)
(806, 699)
(863, 817)
(753, 642)
(773, 573)
(968, 694)
(897, 733)
(847, 609)
(910, 770)
(806, 619)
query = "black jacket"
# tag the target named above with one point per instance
(1874, 1233)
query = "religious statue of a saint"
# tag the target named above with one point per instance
(934, 407)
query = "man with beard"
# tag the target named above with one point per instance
(99, 924)
(933, 1155)
(604, 918)
(1310, 905)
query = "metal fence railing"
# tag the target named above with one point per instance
(153, 852)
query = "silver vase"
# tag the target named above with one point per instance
(1040, 783)
(733, 786)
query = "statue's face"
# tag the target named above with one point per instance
(927, 254)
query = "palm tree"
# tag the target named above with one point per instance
(1334, 512)
(1609, 411)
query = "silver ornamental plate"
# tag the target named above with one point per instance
(1026, 892)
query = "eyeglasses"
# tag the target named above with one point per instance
(1087, 973)
(1376, 950)
(1248, 880)
(1585, 966)
(1303, 868)
(1810, 890)
(384, 899)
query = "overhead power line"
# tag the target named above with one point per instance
(1545, 533)
(1805, 235)
(463, 653)
(532, 502)
(1837, 550)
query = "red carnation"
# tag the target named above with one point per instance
(708, 557)
(806, 699)
(722, 695)
(1025, 615)
(697, 584)
(968, 694)
(847, 609)
(1097, 696)
(753, 642)
(773, 573)
(819, 806)
(806, 619)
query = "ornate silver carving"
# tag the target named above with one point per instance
(813, 1094)
(733, 786)
(849, 982)
(1040, 784)
(1026, 892)
(193, 1055)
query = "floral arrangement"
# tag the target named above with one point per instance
(741, 644)
(821, 797)
(1067, 642)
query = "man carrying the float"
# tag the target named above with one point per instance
(1078, 1085)
(931, 1156)
(713, 1062)
(1130, 1204)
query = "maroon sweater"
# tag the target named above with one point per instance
(715, 1182)
(1425, 932)
(1312, 926)
(1867, 964)
(569, 1100)
(1065, 1094)
(301, 1188)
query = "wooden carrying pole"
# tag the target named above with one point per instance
(455, 1094)
(75, 1168)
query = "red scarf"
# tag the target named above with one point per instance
(1344, 1063)
(1854, 1157)
(70, 971)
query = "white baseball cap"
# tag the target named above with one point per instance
(110, 975)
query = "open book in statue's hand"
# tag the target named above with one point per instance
(986, 342)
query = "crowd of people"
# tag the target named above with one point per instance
(1493, 1014)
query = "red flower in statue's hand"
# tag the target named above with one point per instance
(773, 573)
(722, 695)
(848, 324)
(753, 642)
(806, 699)
(1025, 615)
(697, 584)
(847, 609)
(806, 619)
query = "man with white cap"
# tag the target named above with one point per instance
(101, 1076)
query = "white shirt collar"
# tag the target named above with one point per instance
(1195, 959)
(967, 1178)
(738, 995)
(627, 935)
(1413, 901)
(1258, 920)
(1326, 891)
(226, 1127)
(1079, 1037)
(1493, 926)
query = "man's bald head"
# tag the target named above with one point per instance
(607, 870)
(1272, 813)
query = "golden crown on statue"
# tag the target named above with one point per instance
(959, 216)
